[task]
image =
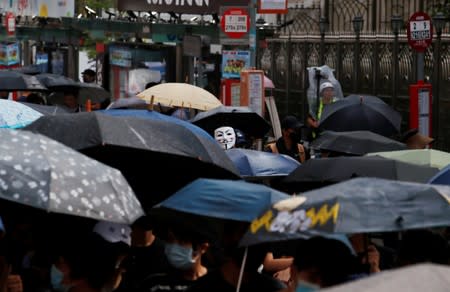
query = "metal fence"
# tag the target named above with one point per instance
(376, 63)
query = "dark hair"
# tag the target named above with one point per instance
(90, 257)
(419, 246)
(151, 84)
(331, 259)
(35, 98)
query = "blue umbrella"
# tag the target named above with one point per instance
(153, 115)
(442, 177)
(223, 199)
(14, 115)
(252, 163)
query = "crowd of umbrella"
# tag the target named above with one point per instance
(118, 164)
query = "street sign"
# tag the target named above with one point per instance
(235, 22)
(10, 23)
(419, 31)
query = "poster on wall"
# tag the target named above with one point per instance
(9, 54)
(42, 61)
(233, 62)
(43, 8)
(120, 57)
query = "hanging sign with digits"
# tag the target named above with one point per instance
(235, 22)
(420, 31)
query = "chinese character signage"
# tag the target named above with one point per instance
(178, 6)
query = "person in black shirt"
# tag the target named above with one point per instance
(288, 143)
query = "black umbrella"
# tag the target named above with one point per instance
(29, 70)
(241, 118)
(319, 172)
(12, 80)
(361, 112)
(40, 172)
(359, 205)
(157, 157)
(47, 109)
(85, 91)
(355, 142)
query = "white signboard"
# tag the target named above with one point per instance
(272, 4)
(420, 30)
(236, 23)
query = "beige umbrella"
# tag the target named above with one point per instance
(429, 157)
(181, 95)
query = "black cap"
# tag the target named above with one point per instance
(290, 122)
(89, 72)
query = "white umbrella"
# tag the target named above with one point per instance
(180, 95)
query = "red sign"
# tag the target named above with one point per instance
(235, 22)
(10, 23)
(420, 31)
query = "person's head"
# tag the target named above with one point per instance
(290, 127)
(35, 98)
(226, 137)
(88, 76)
(414, 140)
(421, 246)
(183, 248)
(70, 100)
(83, 261)
(241, 140)
(151, 84)
(323, 262)
(4, 94)
(142, 232)
(326, 91)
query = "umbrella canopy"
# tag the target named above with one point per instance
(46, 109)
(84, 91)
(442, 177)
(15, 115)
(29, 70)
(359, 205)
(415, 278)
(180, 95)
(252, 163)
(361, 113)
(149, 152)
(242, 118)
(12, 80)
(57, 82)
(223, 199)
(42, 173)
(429, 157)
(316, 172)
(355, 142)
(268, 83)
(93, 92)
(127, 102)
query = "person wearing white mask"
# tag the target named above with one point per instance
(226, 136)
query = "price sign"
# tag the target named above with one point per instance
(420, 31)
(235, 22)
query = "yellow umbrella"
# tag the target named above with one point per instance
(430, 157)
(181, 95)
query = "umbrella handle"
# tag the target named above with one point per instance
(241, 272)
(88, 105)
(151, 105)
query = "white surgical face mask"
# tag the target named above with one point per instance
(225, 136)
(179, 256)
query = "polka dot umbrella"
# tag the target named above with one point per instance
(40, 172)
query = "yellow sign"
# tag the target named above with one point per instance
(296, 221)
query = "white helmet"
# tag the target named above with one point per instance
(325, 85)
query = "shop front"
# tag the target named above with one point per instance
(134, 66)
